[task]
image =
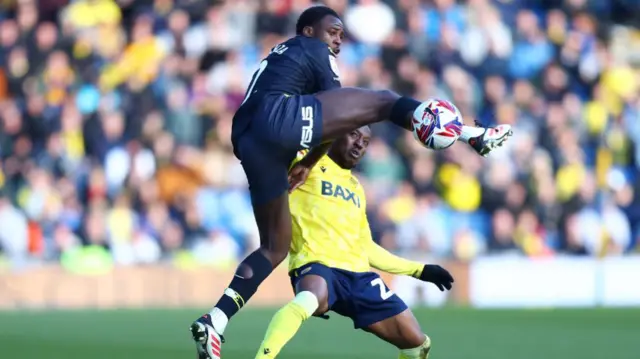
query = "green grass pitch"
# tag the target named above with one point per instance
(457, 333)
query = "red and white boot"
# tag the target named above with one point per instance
(490, 139)
(208, 341)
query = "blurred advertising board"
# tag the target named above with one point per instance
(156, 286)
(620, 282)
(554, 282)
(153, 286)
(499, 282)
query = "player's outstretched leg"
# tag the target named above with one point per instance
(346, 109)
(403, 331)
(311, 299)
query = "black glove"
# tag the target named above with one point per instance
(437, 275)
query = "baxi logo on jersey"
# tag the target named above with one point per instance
(307, 127)
(329, 189)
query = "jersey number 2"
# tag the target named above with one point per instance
(263, 66)
(384, 293)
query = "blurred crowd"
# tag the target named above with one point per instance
(115, 120)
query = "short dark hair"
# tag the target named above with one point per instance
(312, 16)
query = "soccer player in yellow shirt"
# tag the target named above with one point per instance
(331, 256)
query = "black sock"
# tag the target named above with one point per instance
(260, 268)
(402, 112)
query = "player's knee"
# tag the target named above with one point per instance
(316, 286)
(418, 351)
(420, 339)
(307, 301)
(323, 307)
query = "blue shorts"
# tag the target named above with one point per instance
(363, 297)
(267, 136)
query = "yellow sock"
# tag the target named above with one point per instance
(285, 324)
(421, 352)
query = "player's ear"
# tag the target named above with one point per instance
(308, 31)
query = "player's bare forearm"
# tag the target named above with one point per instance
(385, 261)
(315, 154)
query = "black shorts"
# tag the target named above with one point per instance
(280, 126)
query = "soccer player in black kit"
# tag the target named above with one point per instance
(295, 101)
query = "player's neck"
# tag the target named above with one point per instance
(337, 163)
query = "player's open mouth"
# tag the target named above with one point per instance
(354, 154)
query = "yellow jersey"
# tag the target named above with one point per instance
(330, 224)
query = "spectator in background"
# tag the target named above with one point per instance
(487, 42)
(115, 120)
(532, 50)
(14, 237)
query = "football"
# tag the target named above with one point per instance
(437, 124)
